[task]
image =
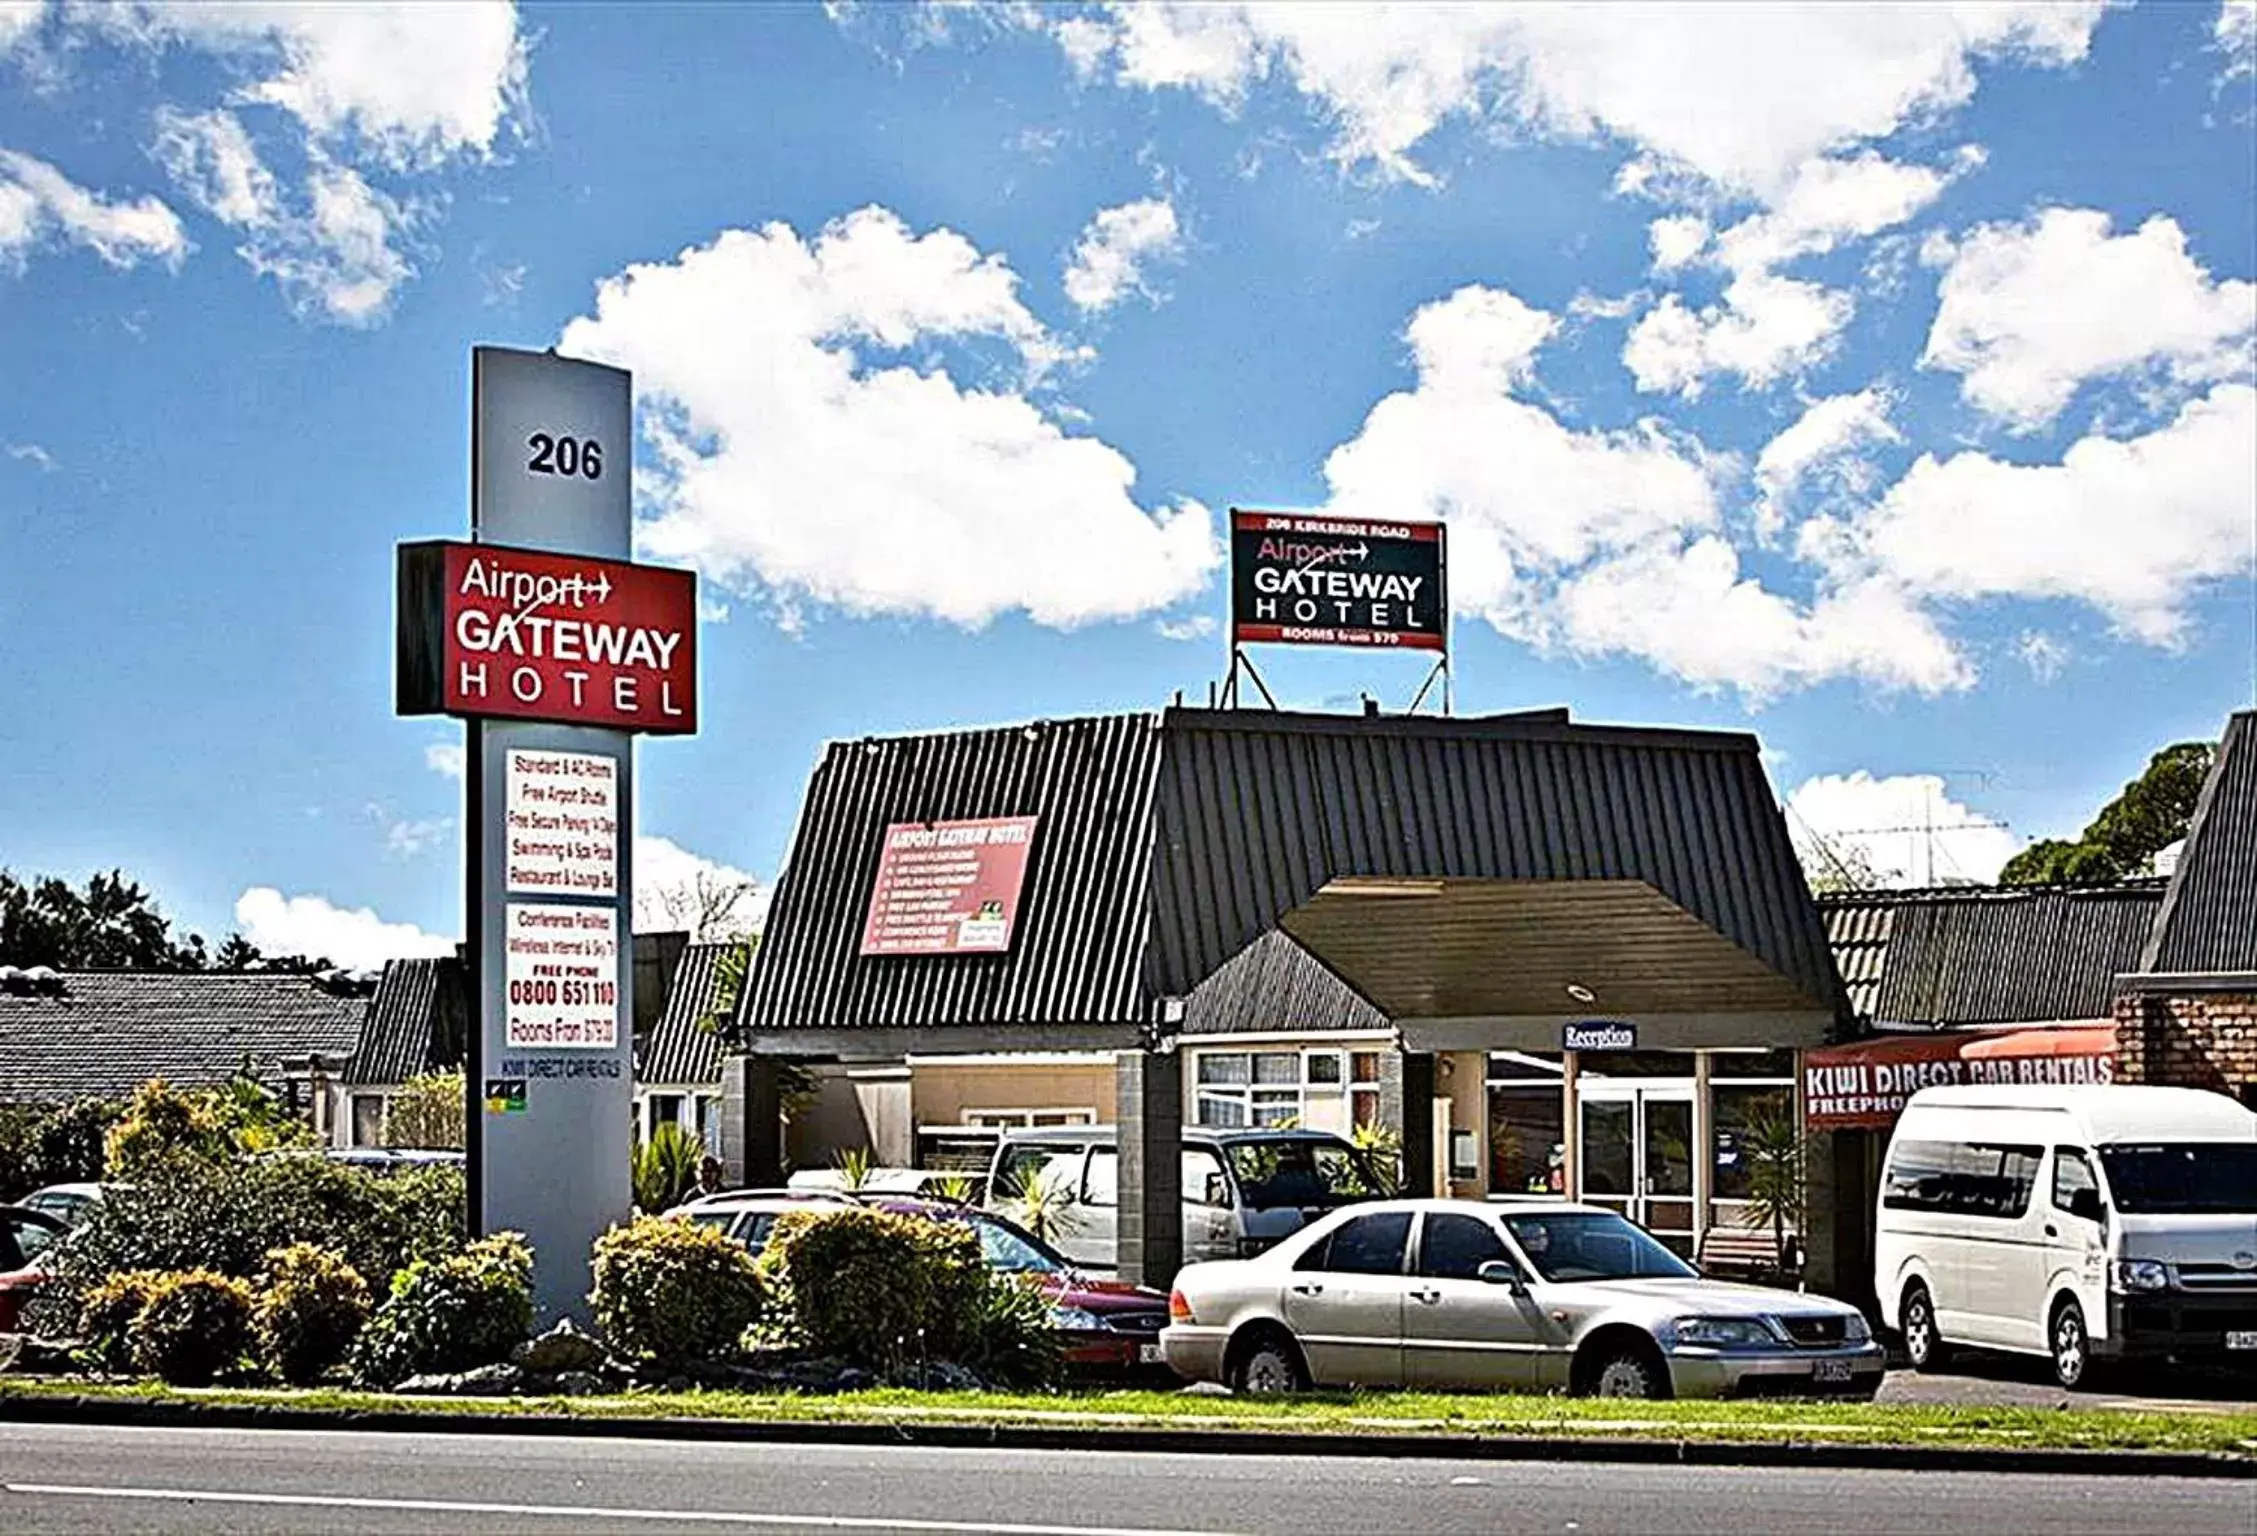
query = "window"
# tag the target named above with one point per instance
(368, 1119)
(665, 1109)
(1310, 1175)
(1026, 1119)
(1740, 1113)
(1593, 1245)
(1454, 1247)
(1961, 1179)
(2183, 1178)
(1101, 1182)
(1527, 1140)
(1006, 1251)
(1030, 1166)
(1368, 1245)
(1235, 1090)
(2072, 1176)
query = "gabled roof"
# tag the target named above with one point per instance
(1273, 985)
(106, 1032)
(2208, 921)
(1958, 956)
(678, 1050)
(416, 1024)
(1167, 844)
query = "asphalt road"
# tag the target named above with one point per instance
(90, 1478)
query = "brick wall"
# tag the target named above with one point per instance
(2189, 1040)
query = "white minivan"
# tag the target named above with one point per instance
(2071, 1222)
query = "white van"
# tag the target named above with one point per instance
(2071, 1222)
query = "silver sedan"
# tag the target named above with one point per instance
(1459, 1295)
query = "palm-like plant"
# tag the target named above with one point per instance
(853, 1165)
(956, 1188)
(665, 1168)
(1778, 1160)
(1043, 1203)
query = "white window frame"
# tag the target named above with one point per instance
(1010, 1119)
(1252, 1097)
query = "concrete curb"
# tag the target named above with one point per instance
(1221, 1441)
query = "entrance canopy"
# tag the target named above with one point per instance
(1479, 881)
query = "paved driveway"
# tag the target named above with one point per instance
(1993, 1380)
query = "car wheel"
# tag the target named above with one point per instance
(1629, 1372)
(1269, 1365)
(1923, 1345)
(2071, 1345)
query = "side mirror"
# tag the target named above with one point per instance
(1498, 1272)
(2087, 1205)
(1217, 1190)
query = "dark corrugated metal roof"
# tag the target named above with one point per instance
(1274, 985)
(2209, 916)
(1079, 943)
(416, 1023)
(1169, 844)
(1962, 957)
(679, 1051)
(107, 1032)
(1257, 811)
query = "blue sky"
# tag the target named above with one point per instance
(1878, 379)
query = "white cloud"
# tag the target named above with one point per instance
(1825, 443)
(33, 454)
(444, 758)
(792, 454)
(1738, 96)
(678, 889)
(354, 938)
(2131, 527)
(1109, 261)
(18, 20)
(1197, 626)
(1906, 830)
(2029, 312)
(1600, 543)
(409, 84)
(1768, 326)
(39, 203)
(2234, 34)
(2046, 657)
(332, 253)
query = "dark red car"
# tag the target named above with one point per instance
(24, 1235)
(1106, 1327)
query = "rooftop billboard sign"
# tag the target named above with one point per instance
(948, 887)
(1301, 580)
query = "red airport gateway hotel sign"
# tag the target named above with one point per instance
(948, 887)
(523, 634)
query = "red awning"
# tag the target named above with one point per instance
(1863, 1085)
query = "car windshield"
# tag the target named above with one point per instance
(1012, 1254)
(1319, 1174)
(2183, 1178)
(1593, 1245)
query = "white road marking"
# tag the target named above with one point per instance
(584, 1511)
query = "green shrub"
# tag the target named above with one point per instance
(162, 1123)
(674, 1291)
(105, 1316)
(226, 1216)
(665, 1169)
(195, 1327)
(311, 1307)
(42, 1144)
(1008, 1337)
(450, 1314)
(874, 1288)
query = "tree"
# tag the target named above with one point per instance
(2150, 814)
(115, 925)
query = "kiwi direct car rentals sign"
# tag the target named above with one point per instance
(1299, 580)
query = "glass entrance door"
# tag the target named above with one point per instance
(1638, 1156)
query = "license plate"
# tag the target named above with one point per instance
(2245, 1338)
(1829, 1370)
(1148, 1354)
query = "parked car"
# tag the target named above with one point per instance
(2078, 1223)
(25, 1237)
(1242, 1190)
(749, 1215)
(67, 1203)
(1454, 1295)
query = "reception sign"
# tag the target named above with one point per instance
(1863, 1086)
(948, 887)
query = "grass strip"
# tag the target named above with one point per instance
(1362, 1414)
